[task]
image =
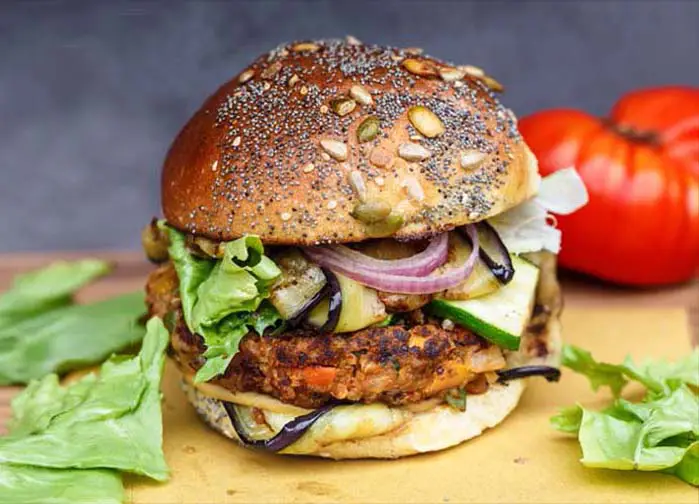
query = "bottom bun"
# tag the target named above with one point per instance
(379, 431)
(376, 430)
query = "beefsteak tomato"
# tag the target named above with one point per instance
(641, 169)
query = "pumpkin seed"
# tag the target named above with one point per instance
(425, 121)
(334, 148)
(360, 94)
(420, 67)
(305, 46)
(413, 152)
(351, 40)
(471, 159)
(387, 227)
(371, 212)
(343, 105)
(368, 129)
(246, 76)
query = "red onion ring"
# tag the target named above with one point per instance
(397, 283)
(421, 264)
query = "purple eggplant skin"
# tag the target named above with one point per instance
(290, 433)
(551, 374)
(493, 252)
(335, 302)
(300, 316)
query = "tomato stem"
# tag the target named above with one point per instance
(632, 134)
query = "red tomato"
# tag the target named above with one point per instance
(641, 168)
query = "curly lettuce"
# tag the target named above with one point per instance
(660, 433)
(222, 300)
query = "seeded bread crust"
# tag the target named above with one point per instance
(276, 151)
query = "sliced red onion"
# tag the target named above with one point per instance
(397, 283)
(421, 264)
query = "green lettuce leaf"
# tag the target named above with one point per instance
(37, 485)
(68, 338)
(657, 376)
(660, 433)
(112, 420)
(48, 288)
(223, 300)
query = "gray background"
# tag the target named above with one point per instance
(92, 93)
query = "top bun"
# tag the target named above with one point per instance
(336, 141)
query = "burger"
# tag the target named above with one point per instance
(357, 255)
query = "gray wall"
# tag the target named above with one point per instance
(92, 93)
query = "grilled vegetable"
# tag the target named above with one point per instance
(300, 287)
(480, 282)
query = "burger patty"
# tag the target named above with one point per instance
(395, 365)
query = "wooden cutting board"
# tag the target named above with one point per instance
(523, 460)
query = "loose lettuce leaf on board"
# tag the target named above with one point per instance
(37, 485)
(222, 300)
(112, 420)
(68, 338)
(660, 433)
(48, 288)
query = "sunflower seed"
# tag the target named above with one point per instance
(308, 167)
(334, 148)
(451, 74)
(214, 166)
(352, 40)
(343, 105)
(236, 141)
(413, 152)
(396, 57)
(323, 109)
(381, 157)
(416, 138)
(356, 180)
(305, 46)
(413, 188)
(303, 90)
(325, 156)
(246, 76)
(471, 70)
(493, 84)
(471, 159)
(425, 121)
(332, 205)
(415, 51)
(419, 67)
(266, 86)
(379, 181)
(360, 94)
(458, 84)
(368, 129)
(285, 216)
(293, 80)
(271, 70)
(371, 212)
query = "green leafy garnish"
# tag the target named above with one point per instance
(660, 433)
(43, 331)
(456, 398)
(69, 441)
(222, 300)
(52, 287)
